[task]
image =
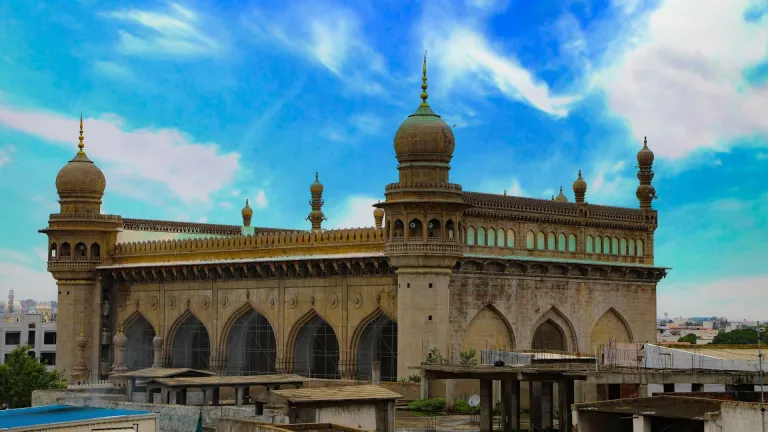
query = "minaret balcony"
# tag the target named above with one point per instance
(434, 245)
(70, 262)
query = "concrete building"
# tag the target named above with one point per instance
(37, 330)
(64, 418)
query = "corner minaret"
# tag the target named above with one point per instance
(316, 216)
(423, 220)
(579, 189)
(80, 238)
(247, 214)
(645, 191)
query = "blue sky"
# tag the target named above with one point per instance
(192, 107)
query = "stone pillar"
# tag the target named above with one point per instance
(496, 393)
(450, 397)
(510, 399)
(696, 387)
(239, 396)
(80, 371)
(534, 402)
(642, 390)
(641, 424)
(566, 399)
(486, 406)
(547, 406)
(157, 343)
(119, 342)
(669, 388)
(376, 372)
(424, 391)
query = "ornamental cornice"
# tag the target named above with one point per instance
(547, 218)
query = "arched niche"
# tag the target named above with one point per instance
(510, 238)
(139, 351)
(588, 244)
(561, 242)
(433, 228)
(80, 250)
(316, 349)
(191, 347)
(551, 243)
(481, 239)
(449, 229)
(66, 250)
(491, 237)
(471, 236)
(399, 230)
(530, 240)
(415, 229)
(540, 241)
(571, 243)
(610, 328)
(488, 330)
(553, 331)
(377, 341)
(95, 250)
(607, 245)
(53, 251)
(251, 344)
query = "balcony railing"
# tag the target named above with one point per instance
(419, 239)
(424, 248)
(72, 262)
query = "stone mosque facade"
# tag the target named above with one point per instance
(441, 268)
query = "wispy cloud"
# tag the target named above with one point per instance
(175, 31)
(5, 155)
(113, 70)
(678, 76)
(190, 171)
(355, 212)
(26, 275)
(736, 298)
(367, 123)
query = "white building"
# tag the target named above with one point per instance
(36, 329)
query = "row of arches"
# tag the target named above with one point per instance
(79, 251)
(491, 237)
(417, 230)
(614, 246)
(551, 241)
(251, 346)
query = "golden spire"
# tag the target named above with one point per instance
(82, 329)
(424, 80)
(80, 145)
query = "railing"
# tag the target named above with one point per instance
(423, 247)
(93, 384)
(63, 262)
(85, 216)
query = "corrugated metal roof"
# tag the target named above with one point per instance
(679, 407)
(230, 380)
(45, 415)
(160, 372)
(246, 260)
(345, 393)
(725, 353)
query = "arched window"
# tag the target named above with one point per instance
(54, 251)
(449, 229)
(615, 246)
(571, 243)
(551, 241)
(399, 229)
(500, 237)
(640, 250)
(598, 245)
(631, 247)
(530, 240)
(415, 229)
(433, 228)
(491, 237)
(80, 250)
(561, 242)
(481, 236)
(510, 238)
(606, 245)
(65, 250)
(471, 236)
(623, 246)
(95, 250)
(589, 244)
(139, 353)
(540, 241)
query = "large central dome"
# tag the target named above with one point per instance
(424, 136)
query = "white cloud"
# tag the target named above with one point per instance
(5, 156)
(736, 298)
(27, 276)
(260, 200)
(355, 212)
(468, 61)
(331, 35)
(610, 183)
(165, 157)
(515, 189)
(762, 156)
(367, 123)
(226, 205)
(113, 70)
(177, 31)
(678, 76)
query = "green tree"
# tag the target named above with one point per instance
(742, 336)
(690, 338)
(21, 375)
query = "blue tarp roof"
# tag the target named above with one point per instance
(42, 415)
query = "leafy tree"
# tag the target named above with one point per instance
(435, 357)
(22, 374)
(741, 336)
(690, 338)
(467, 358)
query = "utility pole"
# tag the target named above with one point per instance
(760, 360)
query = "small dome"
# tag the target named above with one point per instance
(645, 155)
(561, 197)
(80, 178)
(316, 186)
(579, 185)
(378, 212)
(247, 210)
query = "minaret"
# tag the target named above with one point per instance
(423, 212)
(561, 196)
(80, 238)
(378, 217)
(316, 216)
(579, 189)
(646, 193)
(247, 213)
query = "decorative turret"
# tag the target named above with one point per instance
(645, 191)
(80, 184)
(80, 371)
(316, 216)
(378, 217)
(561, 197)
(119, 342)
(247, 213)
(579, 189)
(157, 343)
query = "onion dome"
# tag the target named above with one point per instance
(80, 178)
(579, 188)
(316, 186)
(424, 136)
(645, 155)
(378, 216)
(247, 214)
(561, 197)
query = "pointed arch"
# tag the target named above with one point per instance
(250, 342)
(491, 237)
(190, 342)
(481, 239)
(611, 327)
(139, 350)
(554, 331)
(488, 329)
(375, 338)
(314, 346)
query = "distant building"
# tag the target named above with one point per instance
(36, 329)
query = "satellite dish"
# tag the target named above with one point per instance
(474, 401)
(413, 225)
(431, 225)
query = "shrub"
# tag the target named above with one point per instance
(435, 357)
(431, 406)
(415, 378)
(467, 358)
(462, 407)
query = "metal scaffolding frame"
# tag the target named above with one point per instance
(139, 351)
(316, 350)
(252, 346)
(378, 343)
(191, 345)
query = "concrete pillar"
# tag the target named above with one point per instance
(496, 393)
(641, 424)
(450, 397)
(534, 402)
(547, 406)
(148, 396)
(565, 393)
(614, 391)
(669, 388)
(206, 397)
(173, 400)
(696, 387)
(239, 396)
(164, 396)
(376, 372)
(424, 392)
(486, 406)
(642, 390)
(510, 399)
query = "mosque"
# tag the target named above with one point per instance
(440, 269)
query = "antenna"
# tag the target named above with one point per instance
(762, 397)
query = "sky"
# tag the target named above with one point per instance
(190, 108)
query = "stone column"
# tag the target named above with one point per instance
(376, 372)
(450, 397)
(157, 343)
(547, 411)
(510, 397)
(424, 390)
(80, 371)
(119, 341)
(534, 402)
(565, 396)
(486, 406)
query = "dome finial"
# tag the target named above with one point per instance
(316, 176)
(80, 145)
(645, 141)
(424, 95)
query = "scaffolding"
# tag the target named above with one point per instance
(139, 351)
(191, 345)
(378, 343)
(316, 350)
(252, 346)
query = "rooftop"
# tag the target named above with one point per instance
(677, 407)
(226, 381)
(162, 373)
(247, 260)
(44, 415)
(337, 394)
